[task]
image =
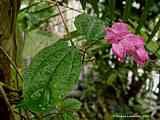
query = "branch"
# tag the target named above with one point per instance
(7, 102)
(64, 23)
(27, 115)
(12, 63)
(63, 5)
(22, 116)
(8, 87)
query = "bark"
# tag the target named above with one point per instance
(8, 12)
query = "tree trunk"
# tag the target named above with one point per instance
(8, 12)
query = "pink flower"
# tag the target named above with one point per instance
(116, 32)
(140, 56)
(131, 42)
(126, 43)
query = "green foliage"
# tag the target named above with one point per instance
(31, 17)
(67, 110)
(143, 16)
(90, 27)
(69, 116)
(65, 116)
(71, 104)
(55, 69)
(51, 75)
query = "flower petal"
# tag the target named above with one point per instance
(131, 42)
(120, 27)
(119, 51)
(116, 33)
(110, 36)
(136, 41)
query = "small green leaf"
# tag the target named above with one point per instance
(90, 27)
(72, 104)
(51, 75)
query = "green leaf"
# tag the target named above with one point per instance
(51, 75)
(90, 27)
(72, 104)
(152, 46)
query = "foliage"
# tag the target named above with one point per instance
(50, 81)
(105, 88)
(91, 27)
(32, 16)
(111, 88)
